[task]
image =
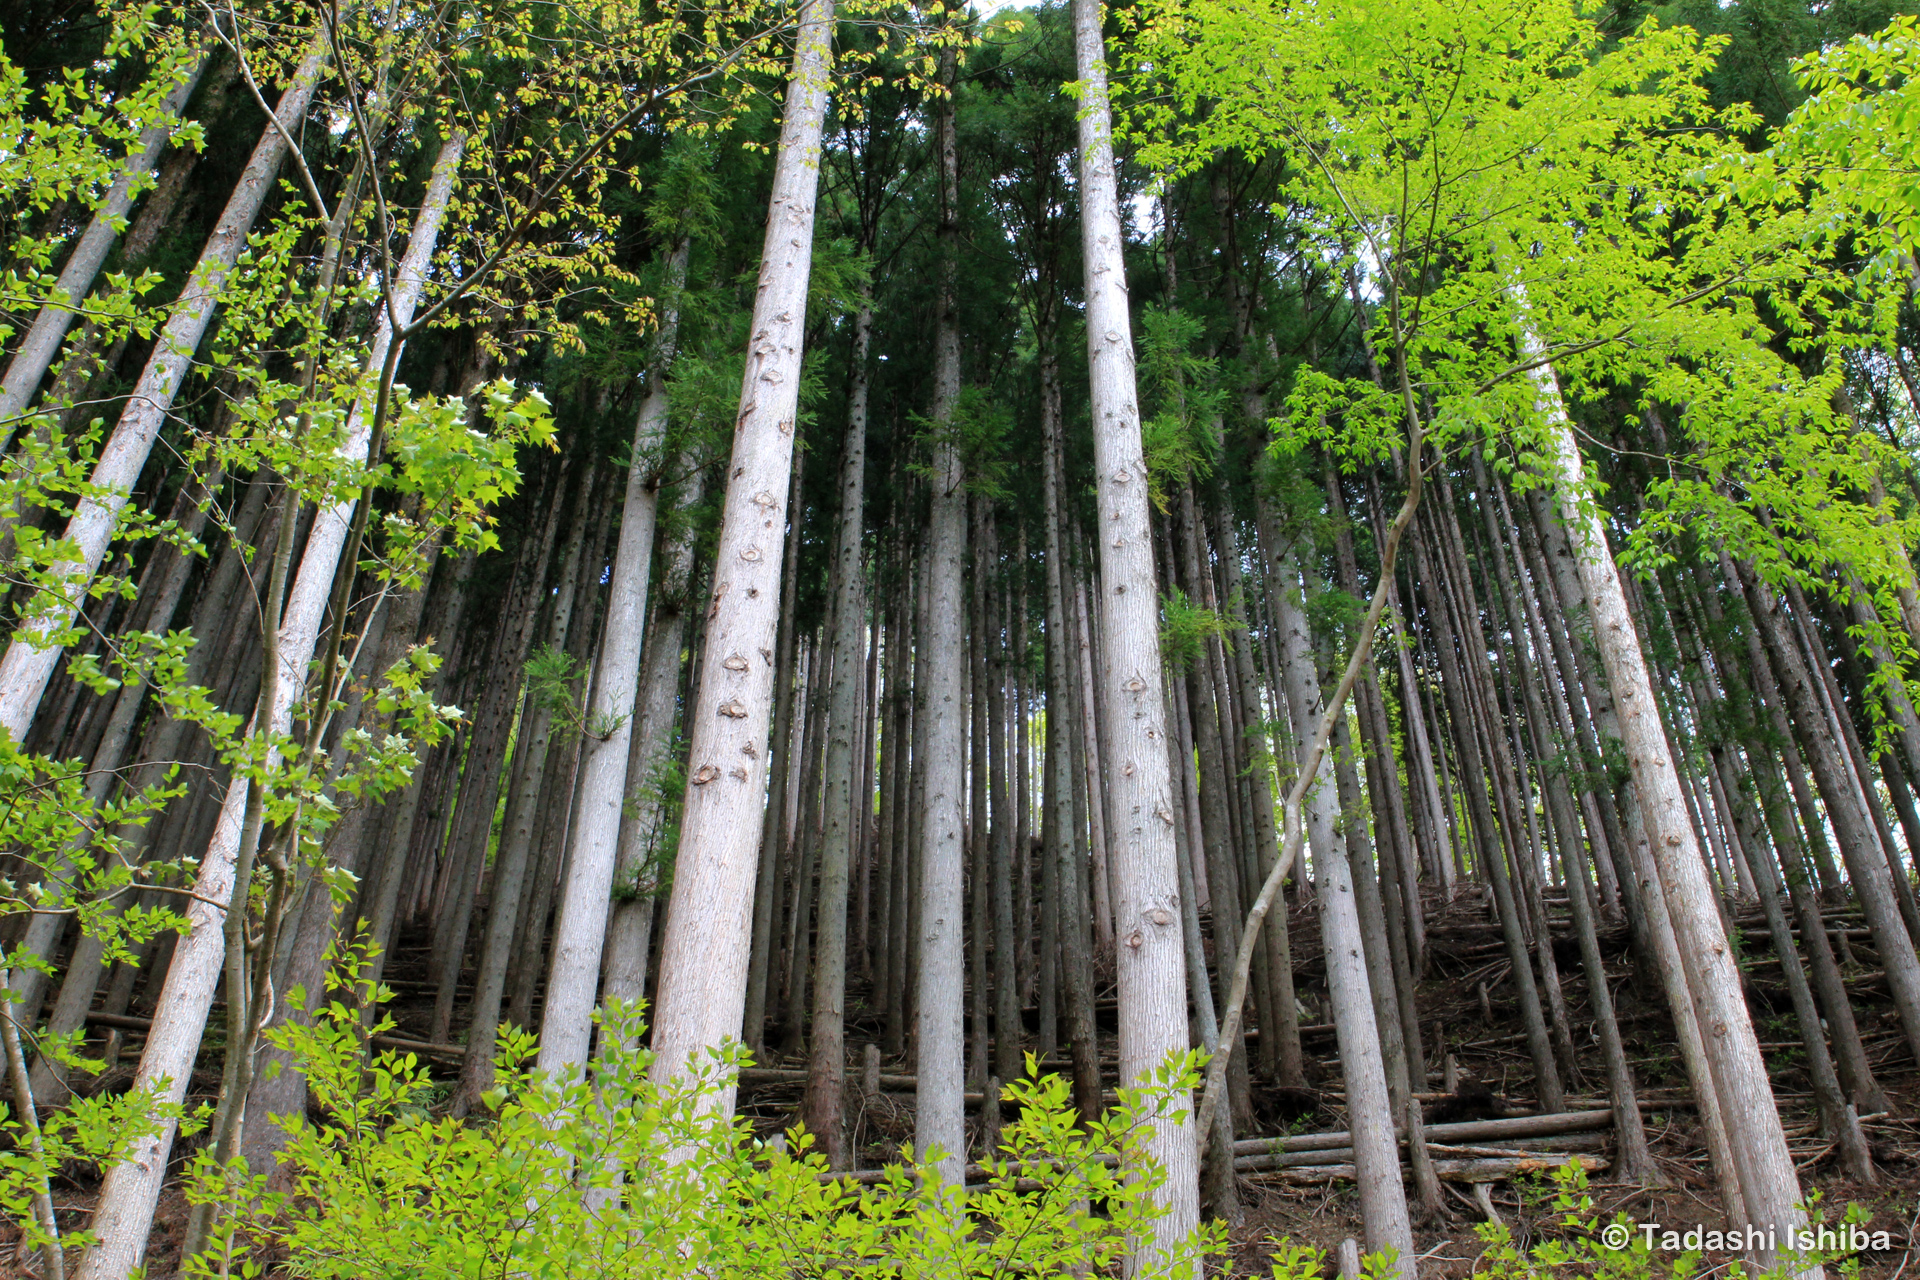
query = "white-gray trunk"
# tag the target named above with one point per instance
(1383, 1197)
(27, 666)
(1768, 1183)
(1150, 952)
(132, 1188)
(703, 959)
(939, 1109)
(630, 922)
(593, 846)
(37, 349)
(629, 934)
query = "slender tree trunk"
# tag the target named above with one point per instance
(1003, 713)
(580, 933)
(281, 1090)
(1215, 837)
(130, 1190)
(804, 845)
(517, 830)
(1396, 888)
(83, 965)
(1383, 1200)
(644, 826)
(35, 351)
(25, 669)
(1769, 1186)
(1151, 958)
(559, 792)
(939, 1110)
(1859, 843)
(1853, 755)
(1635, 1161)
(1064, 852)
(979, 834)
(703, 962)
(1284, 1057)
(909, 740)
(379, 905)
(845, 807)
(484, 775)
(1089, 747)
(1456, 675)
(886, 854)
(1588, 700)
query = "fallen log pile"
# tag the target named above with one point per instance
(1470, 1152)
(1478, 1172)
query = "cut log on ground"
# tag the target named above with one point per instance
(1477, 1172)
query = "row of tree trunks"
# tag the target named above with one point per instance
(899, 793)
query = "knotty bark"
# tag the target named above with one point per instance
(703, 960)
(1151, 956)
(768, 882)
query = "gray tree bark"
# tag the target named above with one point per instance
(28, 664)
(1768, 1184)
(704, 956)
(845, 807)
(1150, 954)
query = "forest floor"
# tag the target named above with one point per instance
(1483, 1035)
(1480, 1031)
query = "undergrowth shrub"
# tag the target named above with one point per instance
(625, 1177)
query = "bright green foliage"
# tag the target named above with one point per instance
(1618, 1249)
(99, 1130)
(457, 472)
(1501, 170)
(633, 1178)
(663, 792)
(1181, 438)
(70, 146)
(1858, 136)
(978, 430)
(1185, 628)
